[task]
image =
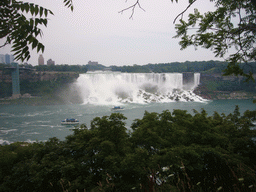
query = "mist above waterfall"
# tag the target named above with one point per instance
(114, 88)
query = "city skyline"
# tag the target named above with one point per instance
(112, 38)
(6, 58)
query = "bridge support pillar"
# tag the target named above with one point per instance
(15, 81)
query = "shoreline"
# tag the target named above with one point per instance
(226, 95)
(49, 100)
(33, 101)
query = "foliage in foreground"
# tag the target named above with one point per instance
(228, 30)
(164, 152)
(20, 26)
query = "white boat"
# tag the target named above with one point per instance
(117, 108)
(71, 121)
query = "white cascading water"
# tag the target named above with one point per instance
(114, 88)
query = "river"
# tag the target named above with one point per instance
(39, 123)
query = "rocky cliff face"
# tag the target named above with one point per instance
(217, 95)
(35, 83)
(209, 88)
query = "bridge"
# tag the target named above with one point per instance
(16, 79)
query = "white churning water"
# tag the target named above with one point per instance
(116, 88)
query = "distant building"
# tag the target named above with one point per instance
(50, 62)
(2, 58)
(93, 63)
(11, 58)
(6, 59)
(41, 60)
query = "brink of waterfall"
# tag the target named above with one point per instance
(116, 88)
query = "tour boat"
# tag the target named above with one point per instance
(71, 121)
(117, 108)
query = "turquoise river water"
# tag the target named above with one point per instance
(39, 123)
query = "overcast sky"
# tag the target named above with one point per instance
(96, 31)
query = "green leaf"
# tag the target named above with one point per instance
(37, 21)
(39, 47)
(51, 12)
(36, 9)
(32, 9)
(31, 23)
(42, 48)
(25, 50)
(41, 11)
(16, 49)
(35, 43)
(17, 52)
(30, 39)
(22, 7)
(67, 3)
(45, 12)
(27, 6)
(44, 22)
(28, 57)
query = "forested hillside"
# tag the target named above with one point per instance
(46, 80)
(188, 66)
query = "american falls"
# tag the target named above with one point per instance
(116, 87)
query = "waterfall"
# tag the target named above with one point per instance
(196, 80)
(115, 87)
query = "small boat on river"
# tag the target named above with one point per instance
(71, 121)
(117, 108)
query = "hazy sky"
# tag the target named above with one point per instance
(96, 31)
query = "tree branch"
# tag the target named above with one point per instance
(137, 3)
(6, 42)
(181, 14)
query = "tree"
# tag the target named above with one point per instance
(22, 32)
(197, 153)
(231, 25)
(174, 151)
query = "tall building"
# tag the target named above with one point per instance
(7, 59)
(2, 58)
(11, 58)
(50, 62)
(41, 60)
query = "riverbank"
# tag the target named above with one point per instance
(55, 100)
(37, 101)
(34, 101)
(206, 93)
(222, 95)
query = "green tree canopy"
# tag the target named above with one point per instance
(231, 25)
(20, 25)
(170, 151)
(229, 31)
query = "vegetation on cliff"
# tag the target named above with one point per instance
(40, 87)
(48, 80)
